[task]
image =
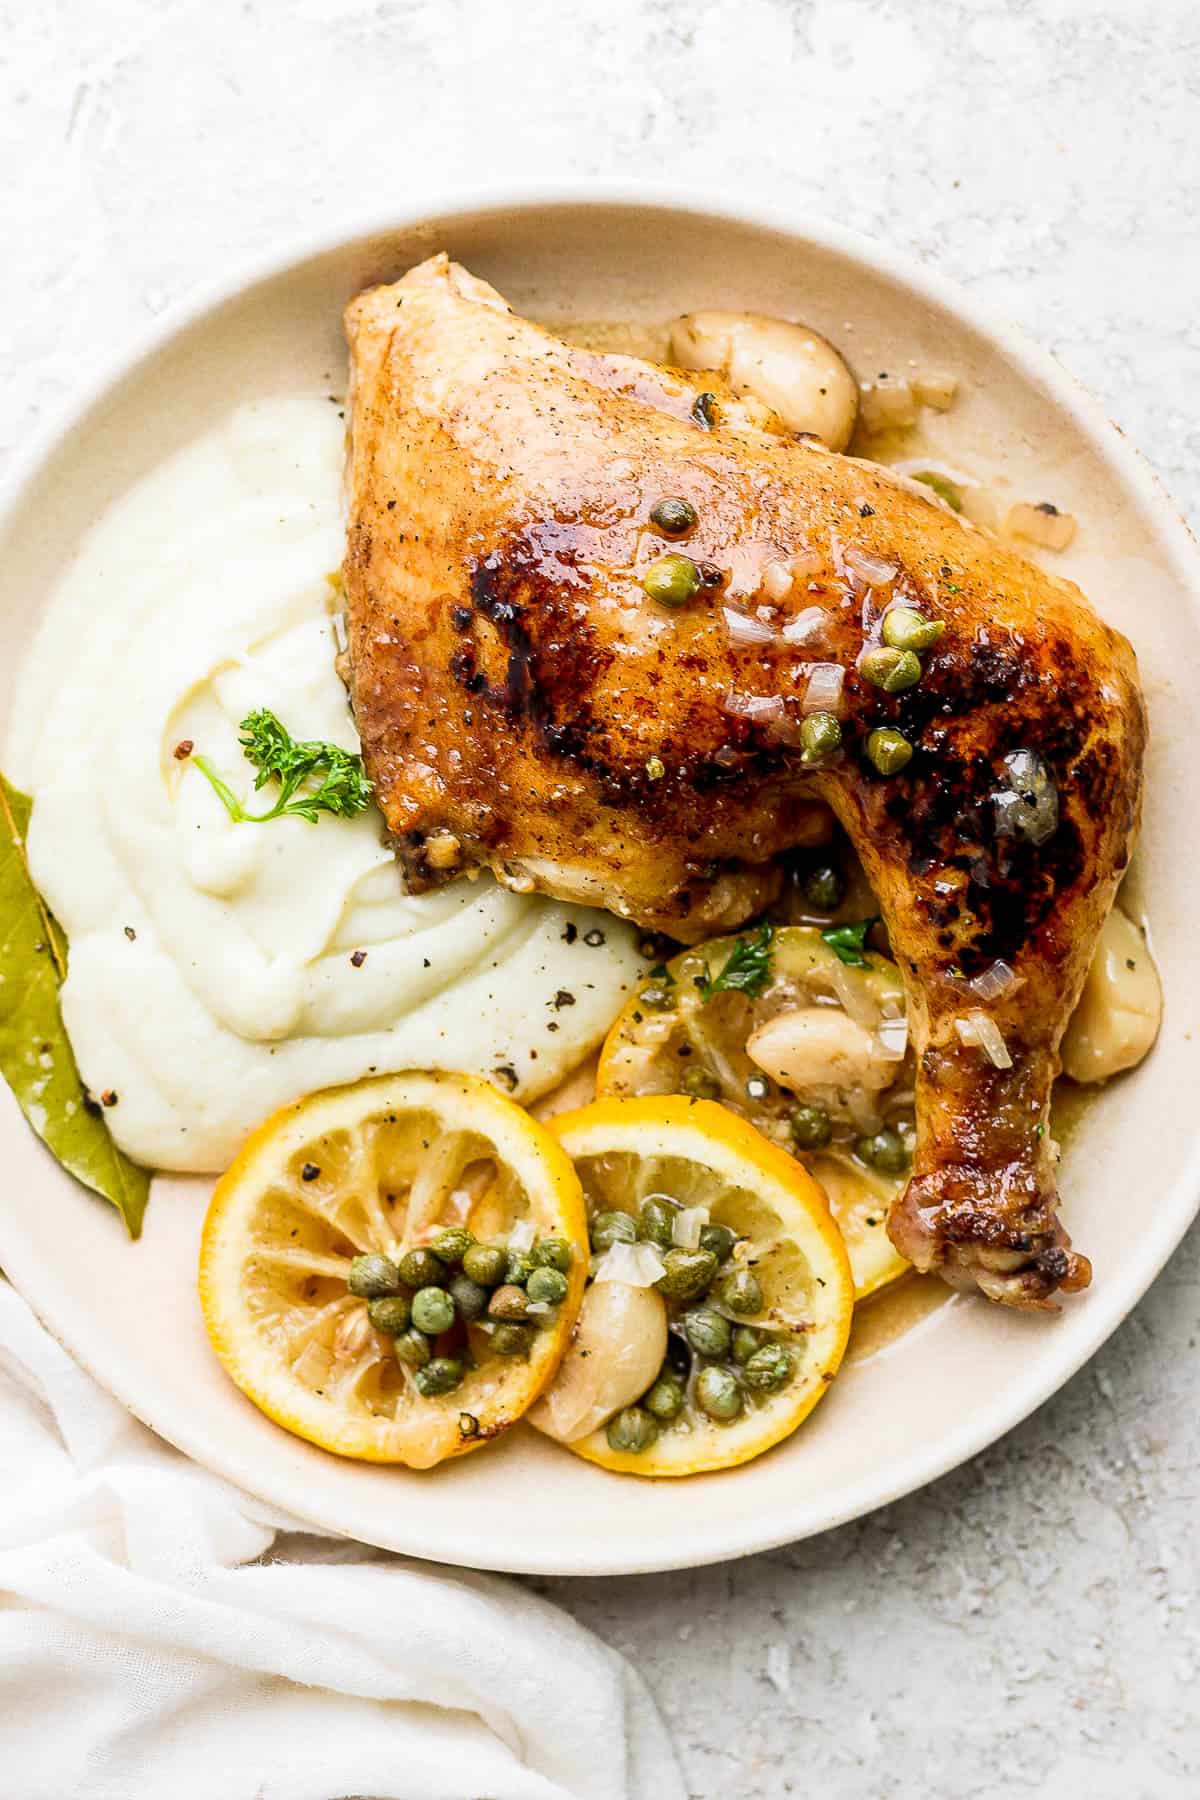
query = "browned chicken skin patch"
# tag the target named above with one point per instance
(525, 705)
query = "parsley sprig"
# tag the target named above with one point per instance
(313, 777)
(847, 941)
(747, 969)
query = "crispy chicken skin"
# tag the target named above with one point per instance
(525, 705)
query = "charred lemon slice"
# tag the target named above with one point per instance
(803, 1033)
(393, 1270)
(721, 1294)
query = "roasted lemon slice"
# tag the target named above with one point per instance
(721, 1296)
(811, 1048)
(393, 1270)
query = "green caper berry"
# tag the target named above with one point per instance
(745, 1342)
(892, 670)
(451, 1246)
(889, 751)
(823, 888)
(719, 1240)
(609, 1228)
(811, 1127)
(508, 1302)
(686, 1274)
(441, 1376)
(371, 1277)
(656, 1223)
(885, 1150)
(820, 735)
(548, 1286)
(518, 1268)
(665, 1399)
(485, 1263)
(631, 1431)
(757, 1087)
(708, 1332)
(508, 1339)
(389, 1313)
(554, 1253)
(700, 1084)
(656, 999)
(672, 580)
(904, 628)
(718, 1394)
(768, 1368)
(420, 1268)
(432, 1310)
(673, 516)
(741, 1292)
(470, 1297)
(412, 1348)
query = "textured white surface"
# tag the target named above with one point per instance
(1028, 1627)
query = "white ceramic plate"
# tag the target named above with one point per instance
(967, 1372)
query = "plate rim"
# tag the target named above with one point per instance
(1109, 1305)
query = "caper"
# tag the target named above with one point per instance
(631, 1431)
(609, 1228)
(757, 1087)
(673, 516)
(518, 1268)
(554, 1253)
(708, 1332)
(811, 1127)
(672, 580)
(885, 1150)
(904, 628)
(656, 1223)
(432, 1310)
(508, 1339)
(892, 670)
(745, 1342)
(371, 1277)
(768, 1368)
(470, 1297)
(508, 1302)
(889, 751)
(548, 1286)
(656, 999)
(452, 1245)
(741, 1292)
(412, 1347)
(485, 1263)
(665, 1398)
(441, 1376)
(686, 1274)
(719, 1239)
(420, 1268)
(700, 1084)
(389, 1313)
(718, 1394)
(823, 888)
(820, 735)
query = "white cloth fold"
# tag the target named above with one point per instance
(162, 1633)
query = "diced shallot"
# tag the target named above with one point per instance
(980, 1030)
(758, 707)
(637, 1265)
(777, 579)
(805, 626)
(875, 570)
(743, 629)
(522, 1236)
(824, 690)
(1041, 524)
(933, 387)
(892, 1035)
(687, 1225)
(993, 982)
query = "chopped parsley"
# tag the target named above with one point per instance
(747, 969)
(313, 777)
(846, 941)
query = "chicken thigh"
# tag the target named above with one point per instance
(527, 704)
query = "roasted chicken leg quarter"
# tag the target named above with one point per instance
(526, 704)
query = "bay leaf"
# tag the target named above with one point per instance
(36, 1058)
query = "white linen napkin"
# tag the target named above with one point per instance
(162, 1633)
